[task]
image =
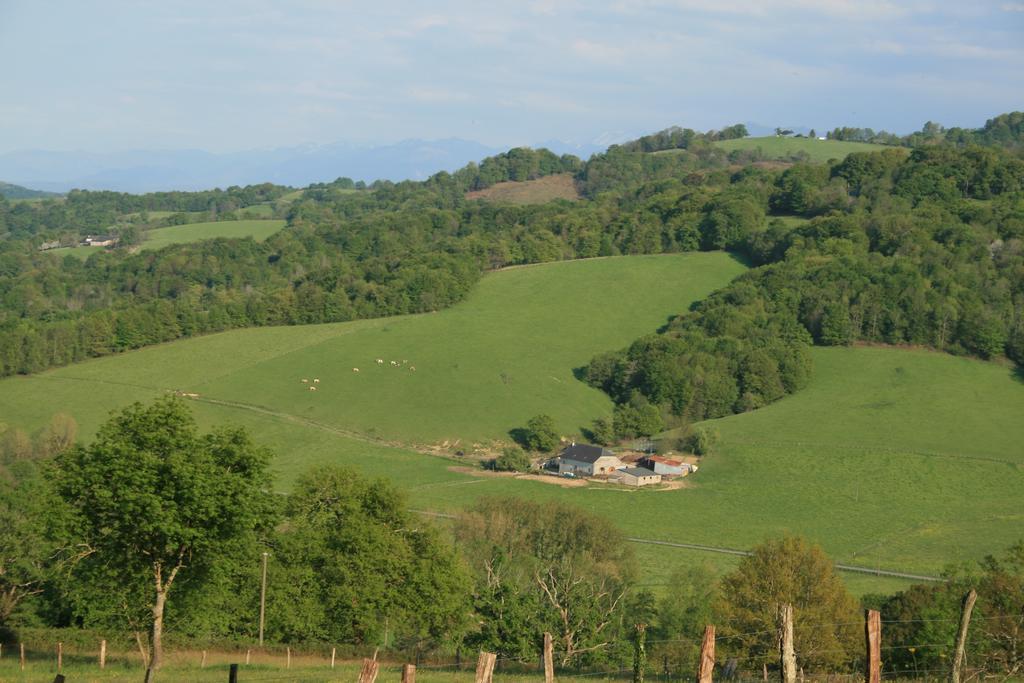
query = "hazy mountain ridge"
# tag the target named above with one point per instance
(10, 191)
(155, 170)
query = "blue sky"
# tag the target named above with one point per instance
(229, 75)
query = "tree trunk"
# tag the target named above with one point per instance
(156, 635)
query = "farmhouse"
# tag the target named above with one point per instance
(586, 460)
(635, 476)
(99, 241)
(665, 466)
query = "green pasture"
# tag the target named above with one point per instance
(193, 232)
(773, 147)
(463, 375)
(82, 253)
(895, 459)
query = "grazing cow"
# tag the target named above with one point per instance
(404, 362)
(355, 369)
(312, 388)
(380, 361)
(394, 362)
(305, 381)
(413, 368)
(316, 380)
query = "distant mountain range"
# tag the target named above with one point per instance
(9, 191)
(154, 170)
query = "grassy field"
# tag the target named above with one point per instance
(82, 253)
(469, 373)
(784, 148)
(193, 232)
(895, 459)
(185, 667)
(539, 191)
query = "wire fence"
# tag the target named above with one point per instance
(743, 654)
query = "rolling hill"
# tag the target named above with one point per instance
(193, 232)
(891, 458)
(785, 148)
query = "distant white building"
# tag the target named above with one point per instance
(585, 460)
(99, 240)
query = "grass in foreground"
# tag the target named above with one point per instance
(820, 151)
(193, 232)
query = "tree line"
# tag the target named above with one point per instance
(154, 528)
(923, 249)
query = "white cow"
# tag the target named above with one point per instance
(355, 369)
(380, 361)
(316, 380)
(305, 381)
(312, 388)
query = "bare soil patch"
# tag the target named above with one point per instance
(539, 191)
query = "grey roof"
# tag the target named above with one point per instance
(637, 471)
(582, 452)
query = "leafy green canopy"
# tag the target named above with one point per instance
(352, 565)
(550, 567)
(789, 571)
(152, 501)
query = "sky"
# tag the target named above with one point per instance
(234, 75)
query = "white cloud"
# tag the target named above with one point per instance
(437, 95)
(598, 52)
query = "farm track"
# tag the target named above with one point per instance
(740, 553)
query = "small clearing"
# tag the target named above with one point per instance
(539, 191)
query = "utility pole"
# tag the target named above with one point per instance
(263, 596)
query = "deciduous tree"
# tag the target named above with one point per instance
(153, 502)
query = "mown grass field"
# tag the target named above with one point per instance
(193, 232)
(773, 147)
(895, 459)
(539, 191)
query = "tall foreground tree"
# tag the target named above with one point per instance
(153, 502)
(790, 570)
(551, 566)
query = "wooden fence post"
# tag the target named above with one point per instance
(288, 658)
(786, 654)
(22, 646)
(485, 667)
(549, 659)
(368, 674)
(60, 655)
(103, 653)
(409, 673)
(247, 655)
(334, 651)
(707, 655)
(233, 674)
(873, 639)
(961, 635)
